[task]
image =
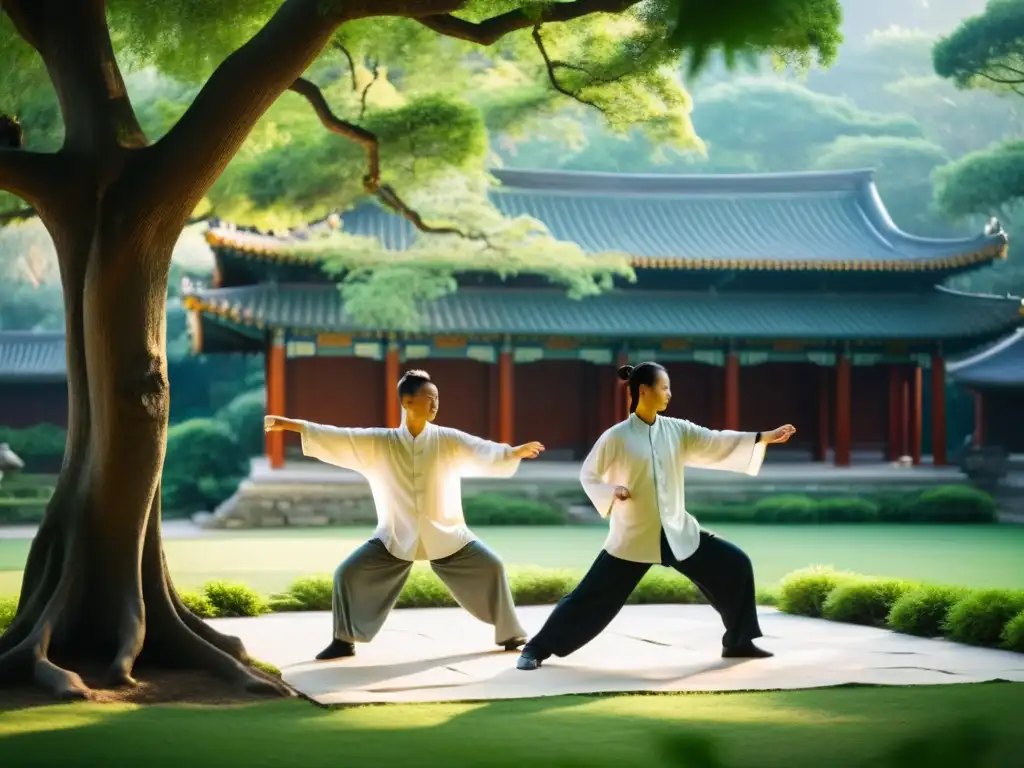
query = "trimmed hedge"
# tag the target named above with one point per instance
(989, 617)
(498, 509)
(864, 601)
(922, 611)
(980, 617)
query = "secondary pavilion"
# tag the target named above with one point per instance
(770, 298)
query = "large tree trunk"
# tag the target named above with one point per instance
(96, 593)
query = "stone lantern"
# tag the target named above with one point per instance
(9, 461)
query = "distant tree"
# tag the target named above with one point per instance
(989, 182)
(903, 169)
(987, 50)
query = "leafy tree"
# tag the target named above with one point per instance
(989, 182)
(96, 587)
(773, 125)
(987, 50)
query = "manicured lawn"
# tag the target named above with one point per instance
(974, 556)
(957, 725)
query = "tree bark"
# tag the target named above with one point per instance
(97, 594)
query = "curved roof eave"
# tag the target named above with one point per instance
(914, 245)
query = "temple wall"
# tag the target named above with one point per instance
(26, 404)
(346, 391)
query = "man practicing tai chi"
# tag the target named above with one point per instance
(635, 475)
(415, 474)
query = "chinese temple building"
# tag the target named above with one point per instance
(995, 376)
(33, 379)
(769, 298)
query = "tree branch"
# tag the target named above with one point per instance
(351, 63)
(489, 31)
(553, 65)
(29, 175)
(366, 90)
(369, 142)
(193, 154)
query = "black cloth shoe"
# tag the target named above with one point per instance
(337, 650)
(513, 644)
(746, 650)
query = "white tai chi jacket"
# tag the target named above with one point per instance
(416, 481)
(649, 461)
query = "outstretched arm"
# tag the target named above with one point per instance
(727, 449)
(344, 447)
(484, 458)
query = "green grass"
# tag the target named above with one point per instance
(959, 725)
(269, 560)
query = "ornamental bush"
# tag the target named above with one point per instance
(864, 601)
(923, 611)
(498, 509)
(234, 599)
(786, 508)
(1013, 634)
(805, 591)
(980, 617)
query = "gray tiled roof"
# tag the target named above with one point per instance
(28, 355)
(998, 365)
(935, 314)
(782, 221)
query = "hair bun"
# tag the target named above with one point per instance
(625, 372)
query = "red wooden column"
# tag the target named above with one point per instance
(506, 395)
(732, 391)
(275, 375)
(844, 437)
(821, 449)
(621, 412)
(979, 419)
(392, 407)
(939, 458)
(896, 420)
(915, 414)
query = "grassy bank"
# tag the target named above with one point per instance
(975, 725)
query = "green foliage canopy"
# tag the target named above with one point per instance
(430, 90)
(987, 50)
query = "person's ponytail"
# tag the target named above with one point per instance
(625, 371)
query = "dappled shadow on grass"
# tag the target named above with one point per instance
(854, 728)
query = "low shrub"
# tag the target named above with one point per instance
(786, 508)
(661, 585)
(199, 604)
(204, 466)
(1013, 634)
(953, 504)
(922, 611)
(313, 593)
(541, 586)
(244, 417)
(805, 591)
(866, 601)
(980, 616)
(8, 607)
(234, 599)
(847, 509)
(497, 509)
(424, 590)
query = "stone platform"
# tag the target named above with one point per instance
(443, 654)
(310, 493)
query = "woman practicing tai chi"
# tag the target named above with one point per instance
(635, 475)
(415, 474)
